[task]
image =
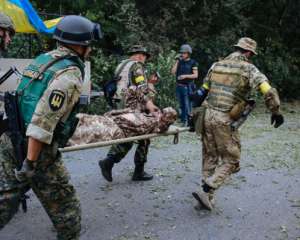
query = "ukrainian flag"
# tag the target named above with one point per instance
(25, 17)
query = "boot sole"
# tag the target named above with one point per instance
(196, 196)
(107, 178)
(141, 179)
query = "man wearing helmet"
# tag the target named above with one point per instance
(131, 74)
(48, 93)
(228, 86)
(186, 71)
(7, 31)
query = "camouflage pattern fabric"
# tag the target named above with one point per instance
(51, 180)
(57, 101)
(230, 82)
(118, 124)
(221, 148)
(94, 128)
(136, 97)
(134, 76)
(50, 184)
(118, 152)
(138, 78)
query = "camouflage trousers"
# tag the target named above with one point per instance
(119, 151)
(50, 184)
(221, 148)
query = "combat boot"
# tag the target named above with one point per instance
(106, 166)
(211, 196)
(203, 199)
(140, 175)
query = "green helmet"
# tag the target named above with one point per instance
(77, 30)
(247, 44)
(139, 49)
(186, 48)
(7, 23)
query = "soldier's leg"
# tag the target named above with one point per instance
(140, 158)
(229, 146)
(52, 187)
(9, 205)
(210, 160)
(209, 154)
(116, 154)
(10, 188)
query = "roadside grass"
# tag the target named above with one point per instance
(263, 146)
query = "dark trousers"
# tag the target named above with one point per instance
(182, 94)
(119, 151)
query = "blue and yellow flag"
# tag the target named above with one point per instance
(26, 18)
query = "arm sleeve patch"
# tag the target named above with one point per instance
(56, 100)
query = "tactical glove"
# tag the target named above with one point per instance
(26, 172)
(278, 119)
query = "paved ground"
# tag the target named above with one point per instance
(261, 202)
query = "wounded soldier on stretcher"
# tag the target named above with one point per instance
(119, 124)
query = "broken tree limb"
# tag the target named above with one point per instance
(172, 131)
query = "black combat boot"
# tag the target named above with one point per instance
(140, 175)
(106, 166)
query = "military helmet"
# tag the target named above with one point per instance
(247, 44)
(7, 23)
(77, 30)
(186, 48)
(139, 49)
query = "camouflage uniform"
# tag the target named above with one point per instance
(118, 124)
(230, 82)
(137, 77)
(50, 182)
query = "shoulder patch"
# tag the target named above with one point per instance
(56, 100)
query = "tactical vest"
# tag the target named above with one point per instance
(123, 72)
(228, 86)
(36, 78)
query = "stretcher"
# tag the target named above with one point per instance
(173, 130)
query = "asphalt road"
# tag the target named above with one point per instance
(261, 202)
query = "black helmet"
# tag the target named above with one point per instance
(139, 49)
(77, 30)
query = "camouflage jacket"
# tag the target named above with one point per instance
(131, 78)
(118, 124)
(45, 118)
(231, 81)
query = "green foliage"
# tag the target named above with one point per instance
(166, 86)
(211, 27)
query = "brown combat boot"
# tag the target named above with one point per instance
(203, 199)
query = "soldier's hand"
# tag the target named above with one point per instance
(151, 107)
(26, 172)
(277, 119)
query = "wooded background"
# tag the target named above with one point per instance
(211, 27)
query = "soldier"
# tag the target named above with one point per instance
(49, 90)
(229, 83)
(7, 31)
(130, 72)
